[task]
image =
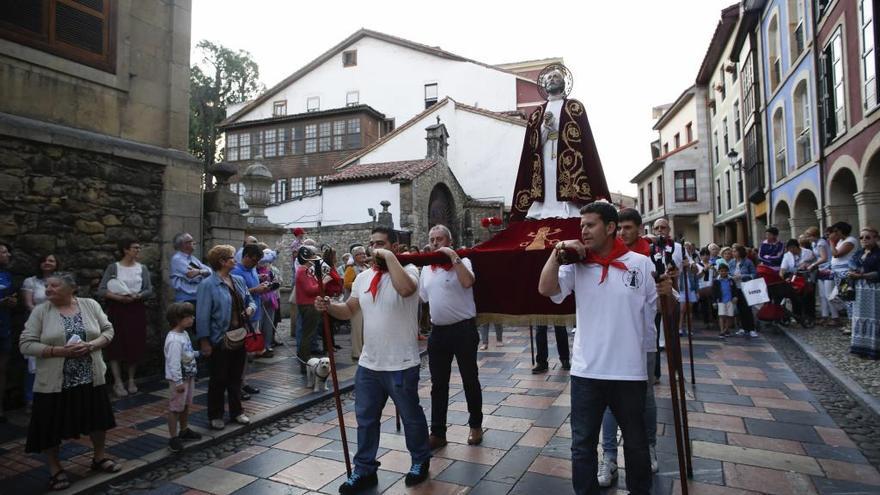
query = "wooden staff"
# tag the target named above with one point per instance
(679, 400)
(687, 315)
(328, 344)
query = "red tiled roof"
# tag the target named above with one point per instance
(403, 171)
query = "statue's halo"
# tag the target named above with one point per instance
(566, 75)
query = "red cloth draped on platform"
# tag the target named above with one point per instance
(507, 268)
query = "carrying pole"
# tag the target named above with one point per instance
(687, 316)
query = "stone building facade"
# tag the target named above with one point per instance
(93, 134)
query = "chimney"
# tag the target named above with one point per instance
(437, 139)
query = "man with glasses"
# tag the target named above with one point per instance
(186, 270)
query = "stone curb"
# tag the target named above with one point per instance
(854, 389)
(161, 457)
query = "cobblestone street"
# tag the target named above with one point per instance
(756, 427)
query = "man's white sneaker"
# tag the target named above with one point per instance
(753, 334)
(242, 419)
(653, 452)
(741, 333)
(607, 473)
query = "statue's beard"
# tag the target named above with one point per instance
(555, 88)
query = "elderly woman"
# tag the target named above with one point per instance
(223, 304)
(269, 300)
(125, 285)
(70, 398)
(357, 320)
(843, 247)
(865, 270)
(33, 291)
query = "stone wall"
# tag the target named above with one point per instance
(416, 220)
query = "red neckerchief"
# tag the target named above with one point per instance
(374, 284)
(641, 246)
(446, 266)
(619, 249)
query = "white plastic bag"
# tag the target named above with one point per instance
(755, 291)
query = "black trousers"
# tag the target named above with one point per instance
(459, 341)
(542, 351)
(744, 311)
(227, 368)
(626, 399)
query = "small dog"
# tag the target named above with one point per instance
(317, 371)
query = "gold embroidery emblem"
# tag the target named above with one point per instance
(573, 183)
(525, 197)
(541, 239)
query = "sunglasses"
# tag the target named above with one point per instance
(866, 237)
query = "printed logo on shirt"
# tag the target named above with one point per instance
(633, 278)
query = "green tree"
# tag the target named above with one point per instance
(223, 77)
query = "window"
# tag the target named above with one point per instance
(737, 133)
(244, 146)
(717, 196)
(869, 61)
(802, 128)
(82, 31)
(279, 191)
(338, 134)
(311, 184)
(267, 138)
(349, 58)
(353, 137)
(659, 191)
(739, 188)
(677, 140)
(715, 146)
(430, 94)
(747, 83)
(796, 27)
(831, 78)
(279, 108)
(726, 137)
(642, 200)
(296, 187)
(779, 144)
(231, 147)
(727, 188)
(650, 196)
(721, 86)
(685, 184)
(665, 148)
(311, 138)
(296, 140)
(313, 104)
(734, 70)
(774, 57)
(352, 98)
(324, 134)
(689, 132)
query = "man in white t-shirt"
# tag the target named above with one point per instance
(448, 290)
(615, 300)
(387, 296)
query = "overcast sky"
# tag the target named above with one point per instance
(626, 56)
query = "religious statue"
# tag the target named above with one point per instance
(559, 170)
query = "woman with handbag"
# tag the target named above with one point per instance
(865, 270)
(824, 279)
(223, 306)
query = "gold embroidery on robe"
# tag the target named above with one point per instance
(573, 183)
(525, 197)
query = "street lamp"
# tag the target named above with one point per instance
(736, 165)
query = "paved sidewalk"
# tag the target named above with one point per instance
(141, 435)
(755, 428)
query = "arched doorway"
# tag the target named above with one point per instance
(805, 206)
(868, 200)
(441, 210)
(781, 220)
(841, 201)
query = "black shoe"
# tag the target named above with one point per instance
(175, 445)
(251, 390)
(417, 473)
(188, 434)
(277, 343)
(337, 347)
(566, 364)
(245, 395)
(540, 368)
(357, 483)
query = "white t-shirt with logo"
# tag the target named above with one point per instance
(449, 301)
(615, 319)
(391, 326)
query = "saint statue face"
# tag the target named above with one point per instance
(554, 83)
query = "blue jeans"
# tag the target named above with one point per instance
(609, 424)
(372, 389)
(589, 398)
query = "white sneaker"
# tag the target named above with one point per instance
(753, 334)
(242, 419)
(483, 347)
(741, 332)
(653, 453)
(218, 424)
(607, 473)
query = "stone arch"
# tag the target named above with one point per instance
(804, 214)
(868, 198)
(840, 202)
(442, 209)
(782, 219)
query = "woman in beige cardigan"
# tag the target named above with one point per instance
(66, 334)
